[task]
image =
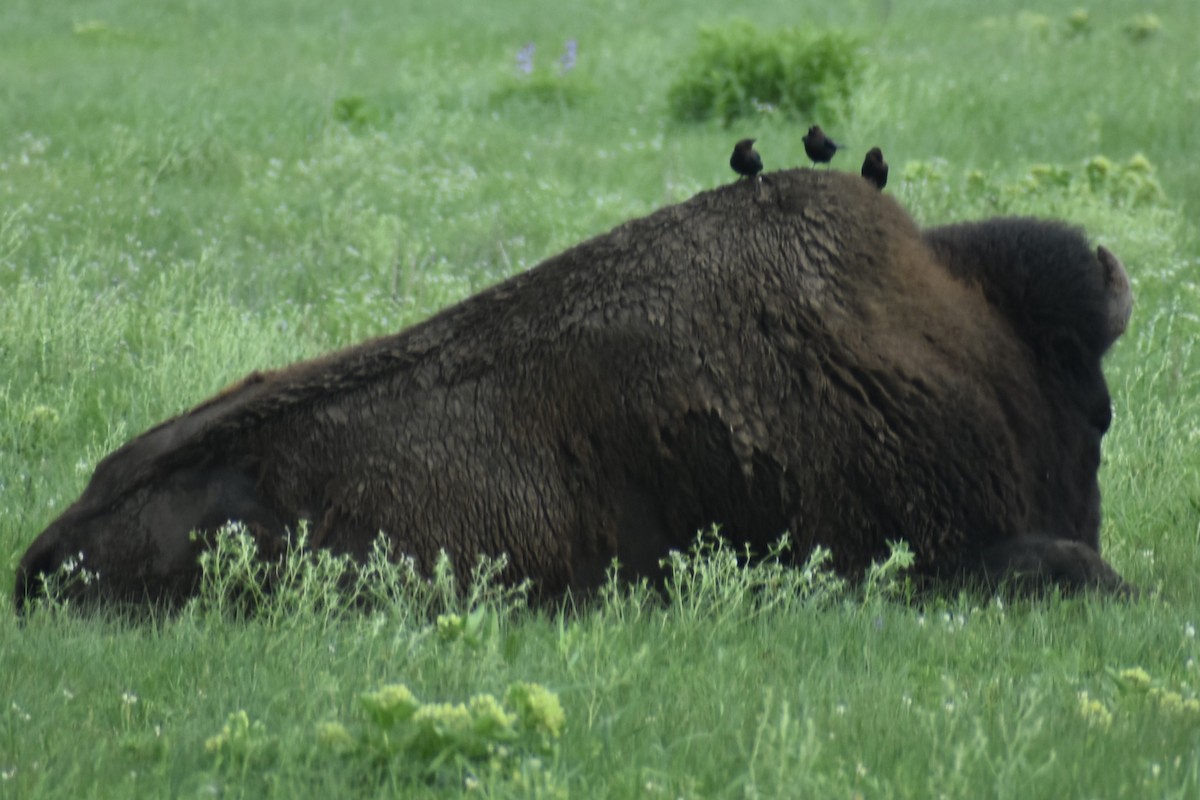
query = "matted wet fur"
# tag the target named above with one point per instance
(798, 359)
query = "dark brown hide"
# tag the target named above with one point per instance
(799, 359)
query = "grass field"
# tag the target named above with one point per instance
(192, 190)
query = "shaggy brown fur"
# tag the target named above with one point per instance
(802, 359)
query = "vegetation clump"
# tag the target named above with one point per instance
(394, 726)
(241, 741)
(1143, 27)
(294, 583)
(739, 71)
(355, 112)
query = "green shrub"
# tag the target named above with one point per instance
(1079, 22)
(739, 71)
(241, 742)
(1128, 184)
(1098, 192)
(395, 727)
(355, 111)
(1143, 27)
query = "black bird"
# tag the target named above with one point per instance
(820, 148)
(874, 168)
(745, 159)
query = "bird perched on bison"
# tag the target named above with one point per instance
(815, 365)
(875, 169)
(745, 160)
(819, 147)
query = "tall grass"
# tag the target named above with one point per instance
(722, 688)
(191, 191)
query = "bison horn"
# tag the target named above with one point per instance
(1120, 293)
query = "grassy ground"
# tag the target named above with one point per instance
(190, 191)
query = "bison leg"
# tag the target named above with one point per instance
(1032, 565)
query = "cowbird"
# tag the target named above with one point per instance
(820, 148)
(874, 168)
(745, 159)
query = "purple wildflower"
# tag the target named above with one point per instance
(566, 61)
(525, 59)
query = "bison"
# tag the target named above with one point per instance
(798, 359)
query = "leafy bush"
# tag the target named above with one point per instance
(1079, 22)
(1128, 184)
(1098, 192)
(1143, 27)
(739, 71)
(1128, 691)
(396, 726)
(241, 742)
(355, 111)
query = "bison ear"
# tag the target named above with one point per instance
(1118, 293)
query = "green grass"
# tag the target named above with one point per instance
(183, 199)
(726, 691)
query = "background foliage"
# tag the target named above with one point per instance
(192, 190)
(738, 71)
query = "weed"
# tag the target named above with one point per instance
(299, 584)
(1143, 27)
(355, 111)
(395, 729)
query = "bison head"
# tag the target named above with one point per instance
(1066, 304)
(150, 557)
